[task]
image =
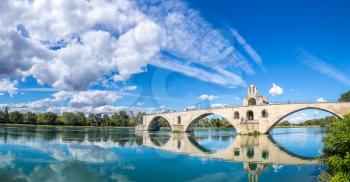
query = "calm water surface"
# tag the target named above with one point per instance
(105, 154)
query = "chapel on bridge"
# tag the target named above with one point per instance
(253, 97)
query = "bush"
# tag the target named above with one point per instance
(337, 151)
(337, 141)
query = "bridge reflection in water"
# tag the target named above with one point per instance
(255, 152)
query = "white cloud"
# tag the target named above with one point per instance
(85, 34)
(277, 167)
(91, 101)
(321, 100)
(6, 160)
(323, 67)
(248, 48)
(74, 45)
(205, 97)
(38, 89)
(217, 105)
(299, 117)
(129, 88)
(92, 98)
(17, 53)
(66, 101)
(92, 154)
(190, 108)
(200, 74)
(275, 90)
(308, 114)
(8, 86)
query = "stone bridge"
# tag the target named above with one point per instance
(248, 149)
(245, 119)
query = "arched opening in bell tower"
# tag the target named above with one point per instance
(252, 102)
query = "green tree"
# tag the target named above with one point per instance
(16, 117)
(124, 118)
(132, 119)
(114, 119)
(106, 120)
(4, 116)
(345, 97)
(216, 122)
(95, 119)
(139, 118)
(48, 118)
(285, 123)
(29, 118)
(203, 123)
(337, 141)
(163, 123)
(81, 119)
(120, 119)
(336, 150)
(68, 118)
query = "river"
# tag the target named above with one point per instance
(40, 154)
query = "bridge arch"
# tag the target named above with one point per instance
(158, 140)
(192, 123)
(301, 109)
(154, 125)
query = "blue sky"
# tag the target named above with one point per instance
(151, 55)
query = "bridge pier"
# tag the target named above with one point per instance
(248, 127)
(178, 128)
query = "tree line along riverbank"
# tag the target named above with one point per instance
(118, 119)
(326, 121)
